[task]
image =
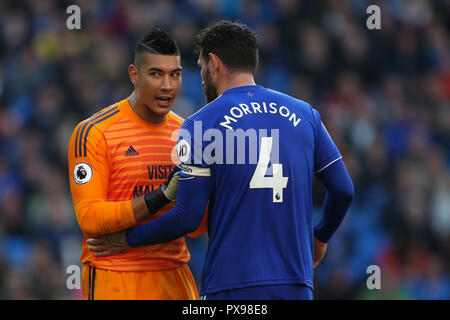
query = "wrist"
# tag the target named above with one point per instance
(155, 201)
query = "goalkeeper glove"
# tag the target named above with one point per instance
(164, 194)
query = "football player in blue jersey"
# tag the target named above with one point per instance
(249, 156)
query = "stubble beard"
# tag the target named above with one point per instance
(210, 89)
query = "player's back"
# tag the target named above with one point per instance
(260, 208)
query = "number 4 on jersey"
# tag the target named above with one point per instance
(259, 180)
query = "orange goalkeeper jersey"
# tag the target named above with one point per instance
(115, 156)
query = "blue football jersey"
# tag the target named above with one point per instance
(261, 149)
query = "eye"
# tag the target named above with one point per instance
(155, 74)
(176, 75)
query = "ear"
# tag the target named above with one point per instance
(214, 62)
(133, 73)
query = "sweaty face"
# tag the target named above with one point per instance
(208, 86)
(159, 79)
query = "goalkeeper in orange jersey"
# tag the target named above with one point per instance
(121, 174)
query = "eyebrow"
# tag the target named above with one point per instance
(162, 71)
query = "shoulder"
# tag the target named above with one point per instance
(307, 111)
(209, 113)
(284, 96)
(175, 119)
(100, 120)
(90, 130)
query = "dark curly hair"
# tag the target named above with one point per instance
(157, 42)
(234, 43)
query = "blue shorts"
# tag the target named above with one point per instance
(268, 292)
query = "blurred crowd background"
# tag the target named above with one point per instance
(383, 95)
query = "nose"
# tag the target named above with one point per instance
(166, 83)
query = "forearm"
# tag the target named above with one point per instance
(183, 218)
(339, 196)
(333, 212)
(103, 217)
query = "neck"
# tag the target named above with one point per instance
(142, 111)
(237, 79)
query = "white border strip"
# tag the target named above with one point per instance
(196, 171)
(187, 178)
(328, 165)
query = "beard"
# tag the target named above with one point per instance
(209, 88)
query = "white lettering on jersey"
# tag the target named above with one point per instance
(237, 113)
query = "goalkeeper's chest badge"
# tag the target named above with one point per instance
(82, 173)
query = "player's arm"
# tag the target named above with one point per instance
(89, 177)
(203, 228)
(339, 196)
(192, 200)
(151, 203)
(331, 171)
(185, 217)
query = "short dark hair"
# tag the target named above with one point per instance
(234, 43)
(157, 42)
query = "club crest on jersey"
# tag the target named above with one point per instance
(82, 173)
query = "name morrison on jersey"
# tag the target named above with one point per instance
(255, 107)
